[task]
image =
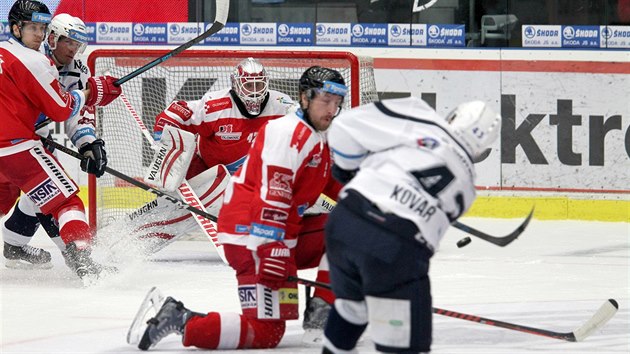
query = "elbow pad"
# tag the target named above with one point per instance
(343, 176)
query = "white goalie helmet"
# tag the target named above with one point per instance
(476, 125)
(250, 82)
(70, 27)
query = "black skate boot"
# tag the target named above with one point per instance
(315, 317)
(26, 257)
(171, 318)
(80, 262)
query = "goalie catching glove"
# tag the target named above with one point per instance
(96, 158)
(171, 160)
(102, 90)
(275, 264)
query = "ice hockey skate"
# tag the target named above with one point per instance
(171, 318)
(26, 257)
(79, 260)
(315, 317)
(150, 306)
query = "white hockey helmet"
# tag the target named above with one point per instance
(71, 27)
(250, 82)
(475, 125)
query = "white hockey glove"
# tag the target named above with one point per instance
(171, 160)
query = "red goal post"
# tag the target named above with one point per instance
(188, 76)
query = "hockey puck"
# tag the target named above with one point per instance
(463, 242)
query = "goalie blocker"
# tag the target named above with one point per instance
(172, 157)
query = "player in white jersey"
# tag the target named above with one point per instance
(30, 86)
(66, 38)
(409, 174)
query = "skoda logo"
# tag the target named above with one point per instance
(530, 32)
(283, 30)
(246, 29)
(568, 32)
(395, 31)
(357, 30)
(103, 28)
(320, 30)
(174, 29)
(606, 32)
(433, 31)
(138, 29)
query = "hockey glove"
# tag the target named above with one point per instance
(96, 158)
(102, 90)
(176, 114)
(275, 265)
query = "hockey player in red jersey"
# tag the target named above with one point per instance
(226, 121)
(66, 37)
(261, 226)
(28, 88)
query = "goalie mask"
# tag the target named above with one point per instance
(64, 25)
(250, 83)
(475, 125)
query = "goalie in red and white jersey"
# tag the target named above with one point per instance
(30, 88)
(265, 235)
(226, 121)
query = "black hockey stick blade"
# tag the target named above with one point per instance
(135, 182)
(496, 240)
(597, 321)
(222, 9)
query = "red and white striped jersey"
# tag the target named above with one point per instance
(225, 132)
(28, 88)
(285, 171)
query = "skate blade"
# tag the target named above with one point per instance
(149, 307)
(313, 337)
(24, 265)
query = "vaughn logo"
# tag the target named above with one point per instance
(154, 169)
(44, 192)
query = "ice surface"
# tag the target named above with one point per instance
(554, 277)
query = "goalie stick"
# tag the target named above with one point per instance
(184, 190)
(597, 321)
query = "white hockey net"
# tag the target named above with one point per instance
(188, 76)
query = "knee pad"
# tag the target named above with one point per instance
(355, 312)
(390, 321)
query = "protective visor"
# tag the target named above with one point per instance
(334, 88)
(41, 17)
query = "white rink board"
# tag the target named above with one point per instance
(535, 91)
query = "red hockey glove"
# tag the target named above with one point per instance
(276, 264)
(176, 115)
(102, 90)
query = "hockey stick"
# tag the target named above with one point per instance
(597, 321)
(502, 241)
(184, 190)
(182, 204)
(220, 18)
